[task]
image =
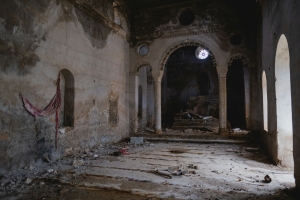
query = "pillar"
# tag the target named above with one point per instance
(222, 73)
(133, 102)
(157, 95)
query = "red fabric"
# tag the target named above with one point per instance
(52, 107)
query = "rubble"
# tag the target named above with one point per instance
(77, 163)
(28, 181)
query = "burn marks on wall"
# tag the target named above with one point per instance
(95, 31)
(20, 34)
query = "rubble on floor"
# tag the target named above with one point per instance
(152, 170)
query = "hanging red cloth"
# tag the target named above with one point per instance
(52, 107)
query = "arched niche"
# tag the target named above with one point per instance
(238, 91)
(67, 98)
(283, 104)
(265, 100)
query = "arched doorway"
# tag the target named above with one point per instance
(238, 94)
(67, 98)
(189, 83)
(265, 100)
(283, 104)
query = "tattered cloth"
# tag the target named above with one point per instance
(52, 107)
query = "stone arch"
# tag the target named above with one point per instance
(140, 65)
(67, 97)
(184, 43)
(283, 103)
(239, 56)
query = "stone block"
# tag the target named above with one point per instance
(136, 140)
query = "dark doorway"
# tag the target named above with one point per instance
(186, 79)
(236, 95)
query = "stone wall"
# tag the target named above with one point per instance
(37, 40)
(280, 17)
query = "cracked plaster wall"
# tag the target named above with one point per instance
(38, 39)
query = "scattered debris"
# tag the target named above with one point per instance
(178, 151)
(188, 130)
(96, 156)
(149, 130)
(192, 166)
(252, 149)
(163, 174)
(28, 181)
(123, 151)
(268, 179)
(62, 130)
(46, 156)
(50, 171)
(77, 163)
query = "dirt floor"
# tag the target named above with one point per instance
(153, 171)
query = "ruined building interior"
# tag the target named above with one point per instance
(149, 99)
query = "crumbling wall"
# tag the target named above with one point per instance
(38, 39)
(280, 17)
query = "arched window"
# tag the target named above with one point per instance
(265, 100)
(283, 104)
(67, 98)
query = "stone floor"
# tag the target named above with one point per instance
(211, 171)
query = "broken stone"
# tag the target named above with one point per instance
(268, 179)
(50, 171)
(31, 168)
(46, 156)
(188, 130)
(62, 130)
(28, 181)
(77, 162)
(68, 151)
(208, 117)
(136, 140)
(96, 156)
(149, 130)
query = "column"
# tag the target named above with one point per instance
(157, 91)
(222, 73)
(133, 102)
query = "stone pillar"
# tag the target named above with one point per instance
(157, 91)
(222, 73)
(133, 102)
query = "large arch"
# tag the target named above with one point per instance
(180, 44)
(265, 100)
(161, 64)
(283, 104)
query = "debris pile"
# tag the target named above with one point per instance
(190, 120)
